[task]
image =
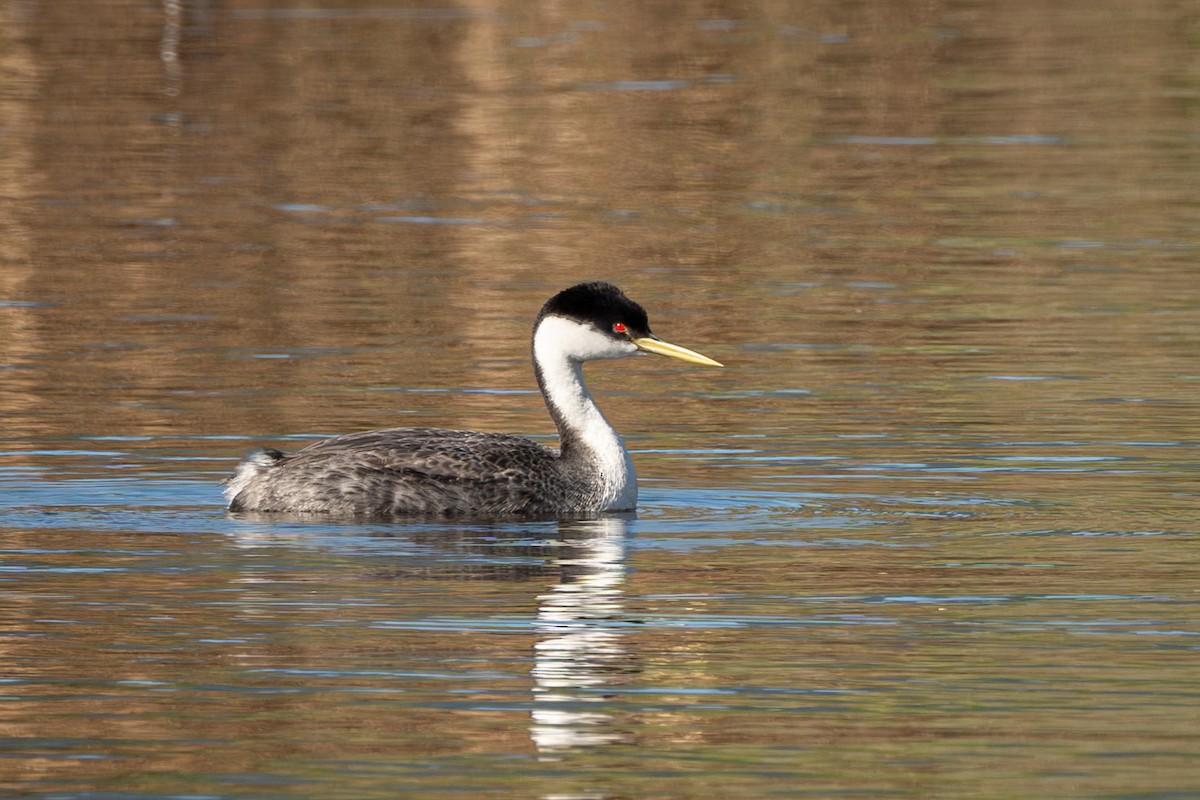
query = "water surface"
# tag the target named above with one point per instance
(931, 533)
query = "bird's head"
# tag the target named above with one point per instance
(596, 320)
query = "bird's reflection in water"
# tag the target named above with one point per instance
(581, 624)
(580, 649)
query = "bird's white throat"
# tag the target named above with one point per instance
(560, 346)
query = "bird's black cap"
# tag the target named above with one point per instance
(600, 304)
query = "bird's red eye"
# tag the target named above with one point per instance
(618, 327)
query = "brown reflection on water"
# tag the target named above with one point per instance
(238, 652)
(171, 669)
(405, 189)
(939, 245)
(298, 661)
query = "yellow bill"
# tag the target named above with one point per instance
(652, 344)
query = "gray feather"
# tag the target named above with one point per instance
(412, 471)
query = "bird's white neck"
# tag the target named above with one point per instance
(559, 348)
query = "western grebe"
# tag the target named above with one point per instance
(425, 471)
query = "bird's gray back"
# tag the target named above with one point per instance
(408, 471)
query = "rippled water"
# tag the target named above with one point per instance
(931, 533)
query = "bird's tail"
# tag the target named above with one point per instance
(251, 468)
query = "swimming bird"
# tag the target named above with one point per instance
(399, 472)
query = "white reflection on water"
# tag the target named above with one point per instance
(580, 651)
